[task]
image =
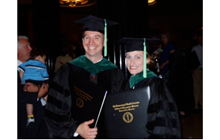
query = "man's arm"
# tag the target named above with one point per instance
(158, 118)
(58, 112)
(30, 87)
(21, 73)
(167, 62)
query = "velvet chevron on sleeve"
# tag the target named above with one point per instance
(163, 119)
(58, 113)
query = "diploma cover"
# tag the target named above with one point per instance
(87, 100)
(125, 114)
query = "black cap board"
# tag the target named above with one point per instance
(92, 23)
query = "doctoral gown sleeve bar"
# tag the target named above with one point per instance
(58, 115)
(163, 118)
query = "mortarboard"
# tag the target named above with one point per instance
(138, 44)
(92, 23)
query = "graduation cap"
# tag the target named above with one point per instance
(138, 44)
(92, 23)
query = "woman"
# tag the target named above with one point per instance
(163, 119)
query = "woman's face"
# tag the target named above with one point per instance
(135, 61)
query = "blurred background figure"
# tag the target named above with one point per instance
(155, 58)
(62, 58)
(197, 70)
(167, 48)
(180, 78)
(75, 50)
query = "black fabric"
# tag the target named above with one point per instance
(31, 97)
(161, 105)
(180, 79)
(21, 110)
(163, 118)
(194, 63)
(136, 44)
(92, 23)
(111, 80)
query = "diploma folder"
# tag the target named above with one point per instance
(87, 100)
(125, 114)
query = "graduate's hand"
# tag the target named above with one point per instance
(85, 131)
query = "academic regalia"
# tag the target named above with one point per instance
(58, 110)
(59, 114)
(163, 118)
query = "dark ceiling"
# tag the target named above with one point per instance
(163, 7)
(176, 7)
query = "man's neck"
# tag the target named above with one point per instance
(94, 59)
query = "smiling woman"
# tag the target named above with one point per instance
(162, 114)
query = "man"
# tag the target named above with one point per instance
(91, 67)
(197, 72)
(23, 54)
(168, 48)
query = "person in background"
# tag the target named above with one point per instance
(197, 71)
(62, 58)
(75, 50)
(168, 48)
(180, 78)
(34, 71)
(163, 119)
(91, 67)
(24, 54)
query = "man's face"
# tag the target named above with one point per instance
(24, 51)
(93, 43)
(164, 38)
(135, 61)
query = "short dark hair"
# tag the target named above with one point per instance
(166, 33)
(37, 52)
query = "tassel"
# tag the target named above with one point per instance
(145, 59)
(105, 34)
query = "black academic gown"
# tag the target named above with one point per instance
(163, 120)
(58, 115)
